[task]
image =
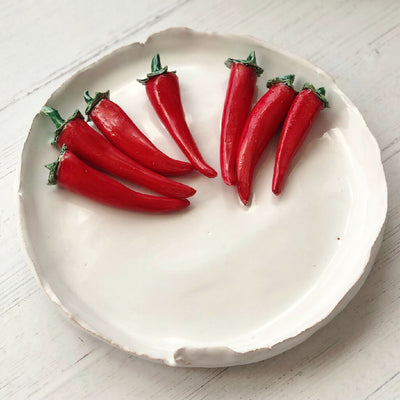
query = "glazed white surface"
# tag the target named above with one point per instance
(217, 275)
(45, 356)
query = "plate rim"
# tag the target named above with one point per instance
(226, 355)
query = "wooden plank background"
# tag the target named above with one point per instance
(43, 355)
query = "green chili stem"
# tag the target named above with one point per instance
(250, 61)
(59, 122)
(53, 167)
(156, 69)
(54, 116)
(93, 101)
(287, 80)
(320, 93)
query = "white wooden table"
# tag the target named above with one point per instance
(43, 355)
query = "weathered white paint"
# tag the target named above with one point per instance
(44, 356)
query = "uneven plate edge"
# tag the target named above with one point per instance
(229, 356)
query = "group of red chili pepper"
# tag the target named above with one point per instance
(124, 151)
(245, 134)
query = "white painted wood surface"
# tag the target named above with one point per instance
(43, 355)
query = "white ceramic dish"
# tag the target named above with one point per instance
(219, 284)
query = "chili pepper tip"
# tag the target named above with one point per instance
(276, 189)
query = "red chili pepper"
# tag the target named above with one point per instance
(241, 86)
(301, 116)
(91, 147)
(121, 131)
(261, 125)
(162, 89)
(73, 174)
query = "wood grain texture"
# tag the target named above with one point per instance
(43, 355)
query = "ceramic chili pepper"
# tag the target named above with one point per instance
(162, 88)
(91, 147)
(299, 120)
(241, 87)
(73, 174)
(261, 125)
(120, 130)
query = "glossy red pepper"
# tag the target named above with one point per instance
(91, 147)
(120, 130)
(162, 88)
(301, 116)
(240, 93)
(73, 174)
(261, 125)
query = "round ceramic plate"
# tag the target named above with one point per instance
(219, 283)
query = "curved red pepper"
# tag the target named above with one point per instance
(261, 125)
(97, 151)
(121, 131)
(162, 88)
(239, 95)
(73, 174)
(301, 116)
